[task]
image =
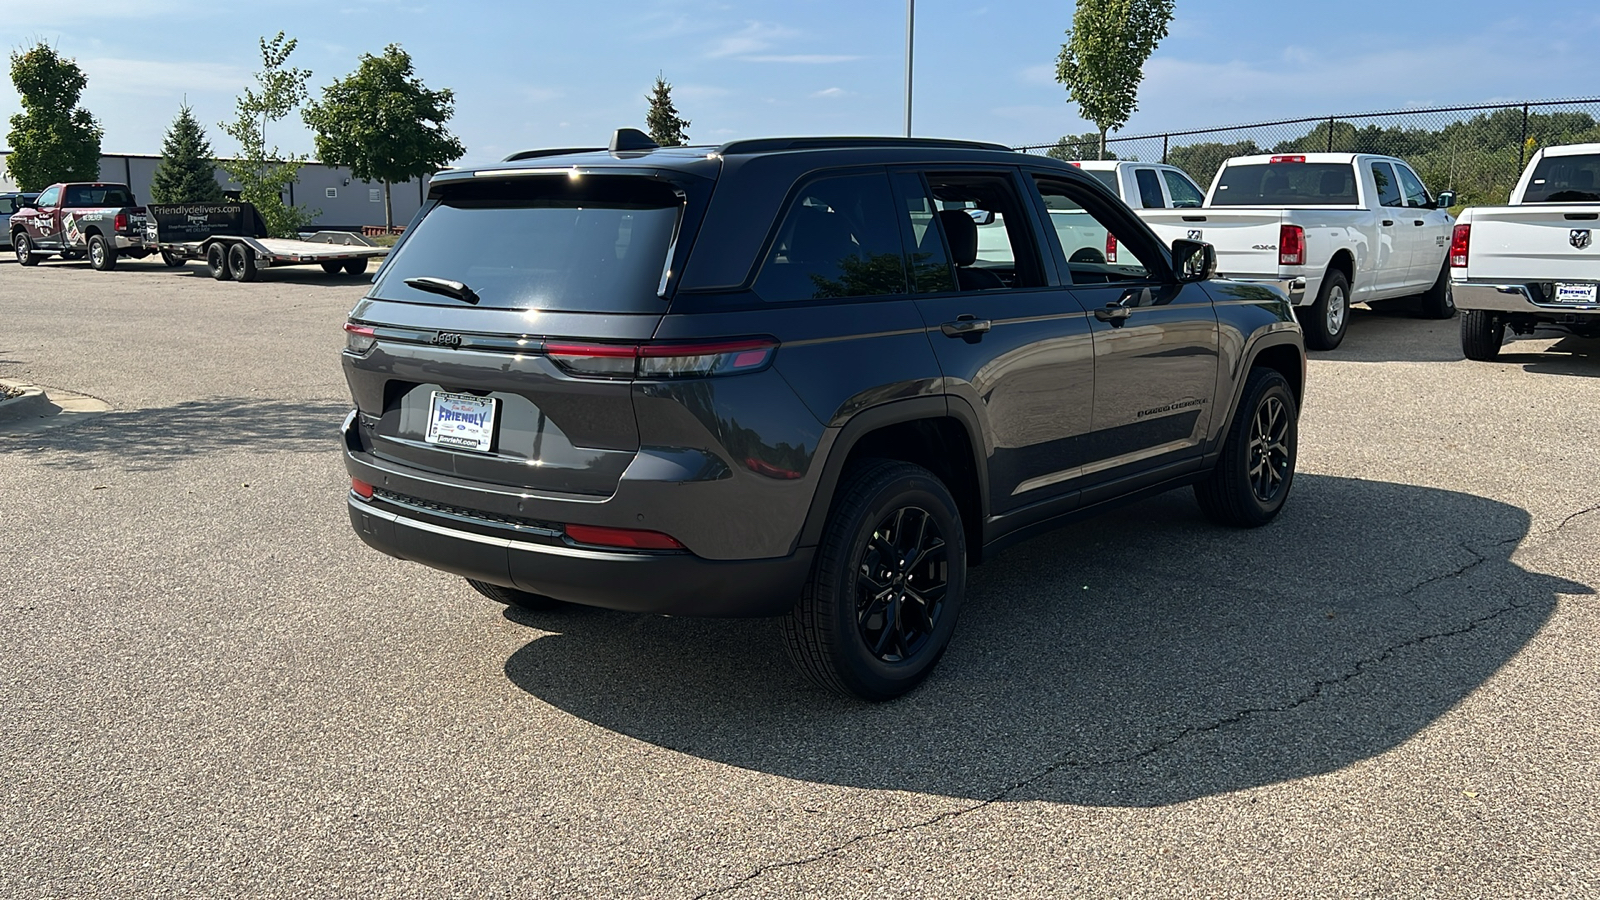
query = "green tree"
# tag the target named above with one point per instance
(1079, 146)
(187, 172)
(666, 127)
(1103, 60)
(51, 139)
(262, 172)
(384, 124)
(1202, 160)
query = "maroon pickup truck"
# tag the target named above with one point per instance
(98, 220)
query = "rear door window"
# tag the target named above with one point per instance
(1149, 189)
(1388, 187)
(594, 244)
(840, 237)
(1286, 184)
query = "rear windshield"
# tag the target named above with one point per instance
(590, 244)
(1286, 184)
(1565, 179)
(86, 195)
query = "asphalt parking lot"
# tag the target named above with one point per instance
(211, 688)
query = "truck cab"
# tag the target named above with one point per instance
(101, 220)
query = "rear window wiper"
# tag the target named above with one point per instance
(443, 286)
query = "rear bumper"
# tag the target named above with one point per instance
(1294, 287)
(679, 584)
(1514, 298)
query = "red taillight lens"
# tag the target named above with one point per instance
(1460, 246)
(361, 488)
(1288, 159)
(359, 338)
(629, 538)
(664, 360)
(119, 222)
(1291, 245)
(1111, 247)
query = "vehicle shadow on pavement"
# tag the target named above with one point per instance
(160, 437)
(310, 276)
(1395, 332)
(1138, 659)
(1571, 355)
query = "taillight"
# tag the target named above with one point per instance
(662, 360)
(1111, 247)
(119, 222)
(359, 338)
(1288, 159)
(1460, 246)
(361, 488)
(628, 538)
(1291, 245)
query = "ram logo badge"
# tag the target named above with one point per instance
(1580, 238)
(1194, 234)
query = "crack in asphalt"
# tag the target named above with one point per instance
(1585, 511)
(1310, 696)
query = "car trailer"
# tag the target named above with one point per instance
(233, 241)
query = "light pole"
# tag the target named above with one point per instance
(911, 18)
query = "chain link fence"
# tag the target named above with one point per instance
(1476, 151)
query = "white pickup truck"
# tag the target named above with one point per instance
(1330, 229)
(1533, 262)
(1146, 185)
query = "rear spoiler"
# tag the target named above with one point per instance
(194, 222)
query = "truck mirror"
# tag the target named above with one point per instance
(1193, 260)
(1445, 200)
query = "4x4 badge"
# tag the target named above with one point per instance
(1580, 238)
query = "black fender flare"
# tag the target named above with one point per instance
(1252, 351)
(868, 420)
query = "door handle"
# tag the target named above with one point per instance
(1115, 313)
(1388, 221)
(966, 326)
(1418, 222)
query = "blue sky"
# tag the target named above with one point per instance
(530, 74)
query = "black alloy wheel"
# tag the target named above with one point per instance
(242, 261)
(886, 583)
(1252, 478)
(904, 577)
(217, 262)
(1270, 456)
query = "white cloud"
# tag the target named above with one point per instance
(113, 76)
(830, 92)
(802, 58)
(1040, 74)
(753, 38)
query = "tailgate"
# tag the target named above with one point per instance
(1246, 239)
(1528, 243)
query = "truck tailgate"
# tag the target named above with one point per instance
(1545, 242)
(1246, 239)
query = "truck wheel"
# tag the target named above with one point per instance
(1439, 302)
(242, 262)
(1325, 321)
(886, 587)
(1482, 333)
(217, 262)
(1252, 479)
(356, 266)
(333, 268)
(514, 597)
(23, 248)
(172, 260)
(72, 254)
(102, 256)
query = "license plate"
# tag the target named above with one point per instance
(461, 421)
(1575, 293)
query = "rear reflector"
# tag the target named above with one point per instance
(662, 360)
(361, 488)
(1460, 246)
(1292, 245)
(1288, 159)
(629, 538)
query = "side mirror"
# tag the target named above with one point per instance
(1193, 260)
(1445, 200)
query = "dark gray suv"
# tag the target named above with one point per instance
(814, 378)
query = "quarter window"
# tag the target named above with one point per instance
(839, 238)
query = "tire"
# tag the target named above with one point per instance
(72, 254)
(172, 260)
(1326, 320)
(1482, 333)
(355, 266)
(333, 268)
(22, 246)
(1087, 255)
(1251, 482)
(242, 262)
(1439, 301)
(514, 597)
(102, 253)
(217, 262)
(840, 634)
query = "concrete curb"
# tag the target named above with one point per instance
(37, 410)
(31, 405)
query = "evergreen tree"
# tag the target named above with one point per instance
(51, 139)
(662, 121)
(187, 171)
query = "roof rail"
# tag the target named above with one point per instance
(551, 151)
(769, 145)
